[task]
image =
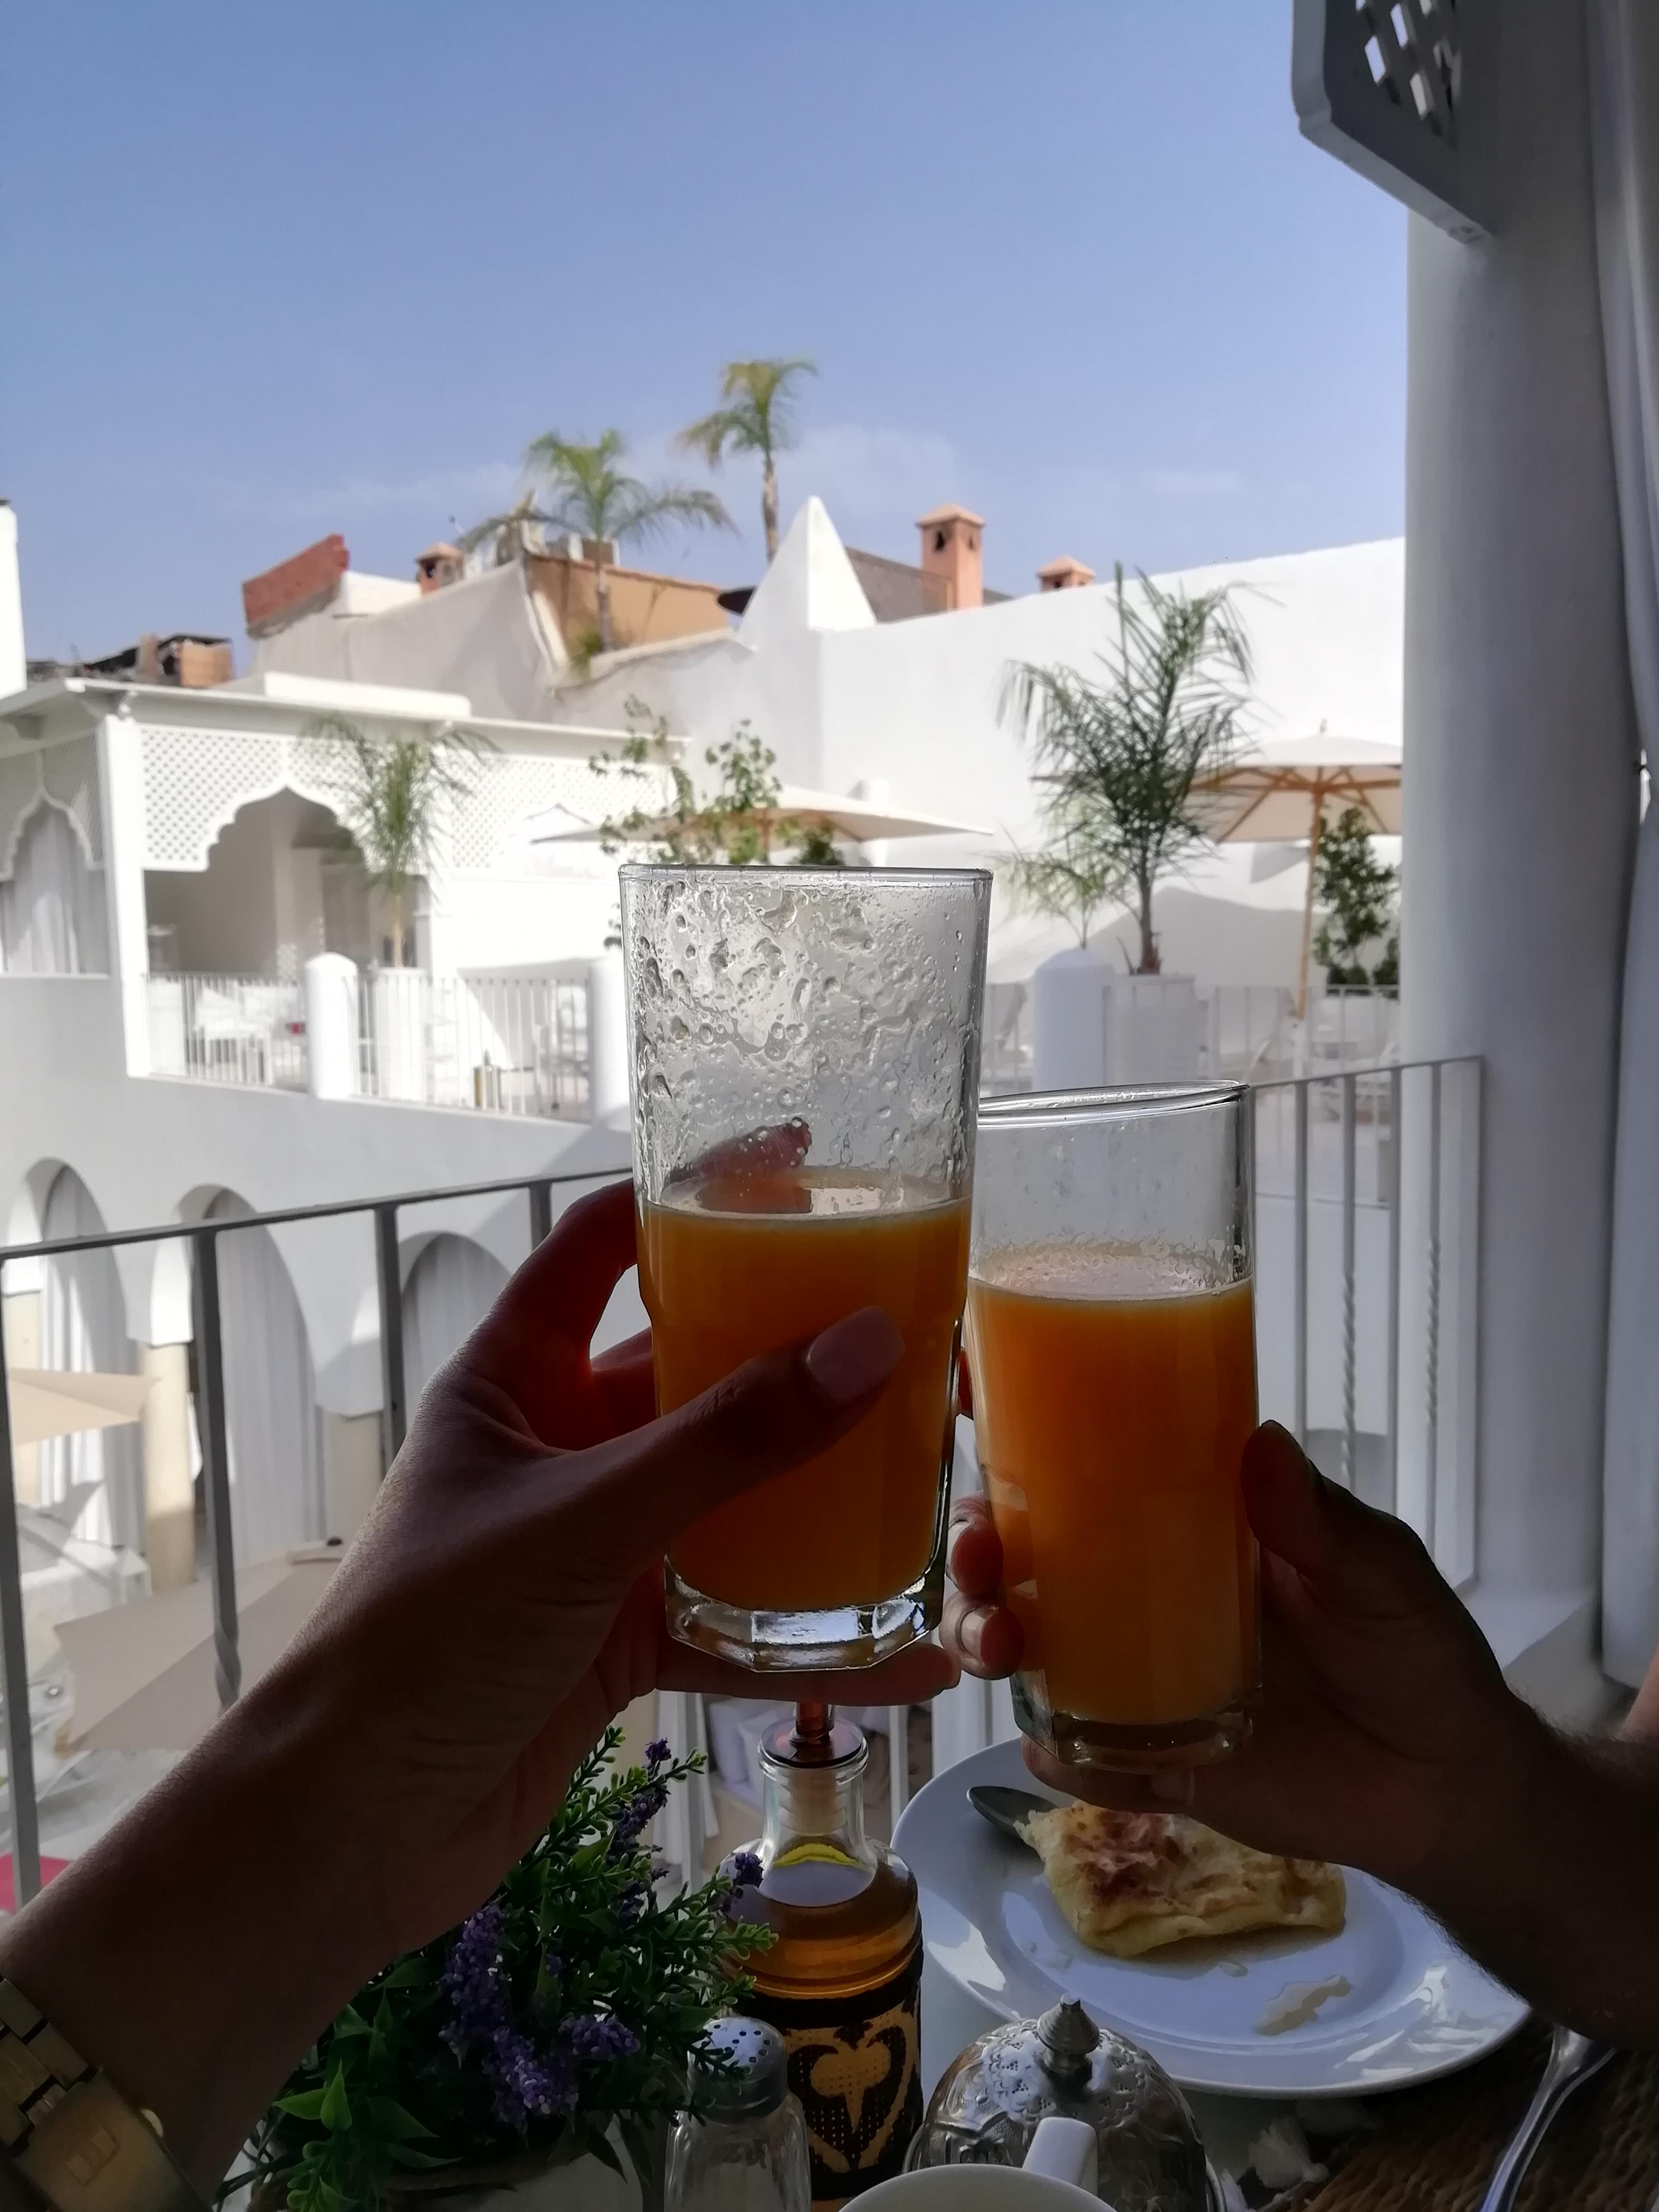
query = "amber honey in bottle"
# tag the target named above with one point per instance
(842, 1982)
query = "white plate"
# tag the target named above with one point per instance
(1416, 2006)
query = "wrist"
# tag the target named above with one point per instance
(1483, 1859)
(211, 1933)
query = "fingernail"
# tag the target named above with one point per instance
(971, 1633)
(852, 1358)
(1172, 1789)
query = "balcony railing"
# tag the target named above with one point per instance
(1247, 1031)
(500, 1044)
(1368, 1243)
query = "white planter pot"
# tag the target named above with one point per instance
(1093, 1026)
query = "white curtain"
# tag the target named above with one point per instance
(93, 1482)
(1624, 96)
(272, 1425)
(452, 1287)
(52, 909)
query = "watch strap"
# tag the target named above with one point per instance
(68, 2137)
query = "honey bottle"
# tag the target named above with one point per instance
(842, 1981)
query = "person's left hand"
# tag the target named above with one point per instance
(504, 1600)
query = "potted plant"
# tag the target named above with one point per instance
(544, 2040)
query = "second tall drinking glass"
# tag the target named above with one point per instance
(805, 1062)
(1112, 1340)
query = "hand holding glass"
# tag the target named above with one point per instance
(804, 1060)
(1111, 1337)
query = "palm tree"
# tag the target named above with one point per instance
(758, 418)
(588, 495)
(391, 791)
(1118, 759)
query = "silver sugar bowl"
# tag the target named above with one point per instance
(987, 2107)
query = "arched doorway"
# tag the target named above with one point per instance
(52, 900)
(452, 1287)
(272, 1426)
(92, 1482)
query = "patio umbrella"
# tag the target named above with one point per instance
(863, 821)
(1291, 794)
(143, 1673)
(54, 1402)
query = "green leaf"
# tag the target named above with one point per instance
(351, 2022)
(408, 1973)
(392, 2121)
(304, 2104)
(605, 2152)
(403, 2154)
(335, 2110)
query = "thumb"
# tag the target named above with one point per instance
(1362, 1560)
(767, 1417)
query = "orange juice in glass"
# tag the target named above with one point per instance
(1111, 1335)
(804, 1060)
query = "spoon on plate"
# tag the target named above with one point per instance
(1006, 1808)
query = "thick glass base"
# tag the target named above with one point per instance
(805, 1642)
(1129, 1748)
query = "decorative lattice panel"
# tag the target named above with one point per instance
(1413, 50)
(508, 789)
(1384, 84)
(65, 774)
(197, 780)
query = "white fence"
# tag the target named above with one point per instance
(1248, 1031)
(500, 1044)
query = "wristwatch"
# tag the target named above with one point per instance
(69, 2139)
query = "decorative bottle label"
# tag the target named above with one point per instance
(855, 2064)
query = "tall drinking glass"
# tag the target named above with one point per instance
(804, 1049)
(1111, 1339)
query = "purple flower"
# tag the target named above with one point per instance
(744, 1869)
(472, 1981)
(635, 1816)
(657, 1754)
(527, 2083)
(631, 1903)
(590, 2035)
(553, 1965)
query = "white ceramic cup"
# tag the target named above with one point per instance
(1058, 2175)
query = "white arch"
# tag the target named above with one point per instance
(52, 907)
(451, 1284)
(93, 1481)
(272, 1426)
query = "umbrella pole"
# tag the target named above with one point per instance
(1307, 906)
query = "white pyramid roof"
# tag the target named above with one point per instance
(811, 584)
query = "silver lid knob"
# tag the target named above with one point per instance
(1068, 2038)
(754, 2078)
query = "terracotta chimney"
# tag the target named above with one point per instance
(295, 587)
(1065, 575)
(950, 550)
(439, 565)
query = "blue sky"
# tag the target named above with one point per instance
(266, 273)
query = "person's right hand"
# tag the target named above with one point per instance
(1385, 1722)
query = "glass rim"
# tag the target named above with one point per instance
(1036, 1109)
(848, 875)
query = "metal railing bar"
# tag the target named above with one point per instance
(540, 1195)
(331, 1209)
(898, 1760)
(215, 1467)
(15, 1675)
(1300, 1204)
(1431, 1440)
(1397, 1117)
(394, 1412)
(1349, 1319)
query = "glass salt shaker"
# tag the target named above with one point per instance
(748, 2151)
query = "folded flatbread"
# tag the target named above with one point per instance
(1130, 1883)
